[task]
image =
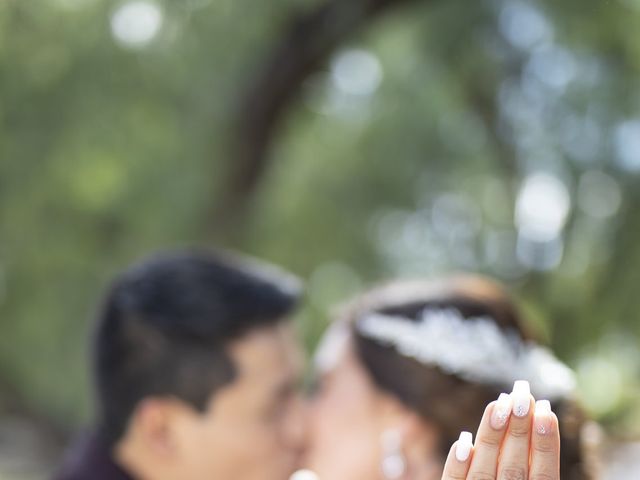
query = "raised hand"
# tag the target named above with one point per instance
(518, 439)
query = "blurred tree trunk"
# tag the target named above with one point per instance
(307, 42)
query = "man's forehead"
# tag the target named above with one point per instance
(271, 354)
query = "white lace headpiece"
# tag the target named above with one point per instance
(474, 349)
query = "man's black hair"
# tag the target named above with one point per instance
(164, 325)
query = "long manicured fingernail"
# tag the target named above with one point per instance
(501, 411)
(542, 420)
(521, 397)
(464, 446)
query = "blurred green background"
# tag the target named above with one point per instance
(349, 141)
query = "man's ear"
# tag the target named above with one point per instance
(154, 426)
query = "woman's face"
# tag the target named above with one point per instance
(345, 426)
(350, 418)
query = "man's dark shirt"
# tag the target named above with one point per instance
(91, 459)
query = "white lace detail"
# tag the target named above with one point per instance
(474, 349)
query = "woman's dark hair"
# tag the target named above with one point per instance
(446, 401)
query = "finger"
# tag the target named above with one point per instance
(489, 438)
(514, 457)
(459, 458)
(545, 443)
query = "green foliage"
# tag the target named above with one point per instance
(407, 164)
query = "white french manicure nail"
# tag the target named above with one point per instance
(501, 411)
(464, 446)
(543, 418)
(521, 396)
(543, 406)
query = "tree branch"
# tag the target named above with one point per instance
(308, 41)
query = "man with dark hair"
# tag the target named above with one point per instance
(195, 368)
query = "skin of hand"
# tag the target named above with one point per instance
(518, 439)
